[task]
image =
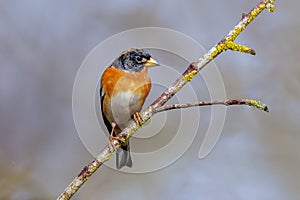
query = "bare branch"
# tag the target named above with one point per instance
(226, 43)
(248, 102)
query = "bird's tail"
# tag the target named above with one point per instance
(123, 156)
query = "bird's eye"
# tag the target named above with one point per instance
(139, 58)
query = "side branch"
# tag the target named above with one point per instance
(248, 102)
(226, 43)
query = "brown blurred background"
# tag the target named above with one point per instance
(42, 46)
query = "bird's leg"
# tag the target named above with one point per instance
(138, 118)
(112, 137)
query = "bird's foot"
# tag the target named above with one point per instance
(138, 118)
(112, 138)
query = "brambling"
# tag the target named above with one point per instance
(125, 84)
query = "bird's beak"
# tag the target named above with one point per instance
(151, 62)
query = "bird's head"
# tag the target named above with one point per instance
(134, 60)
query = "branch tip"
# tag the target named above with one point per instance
(257, 104)
(237, 47)
(270, 5)
(244, 15)
(252, 52)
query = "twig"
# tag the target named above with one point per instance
(249, 102)
(226, 43)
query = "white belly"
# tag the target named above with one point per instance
(123, 106)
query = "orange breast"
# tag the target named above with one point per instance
(114, 81)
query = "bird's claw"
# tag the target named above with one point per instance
(138, 118)
(112, 138)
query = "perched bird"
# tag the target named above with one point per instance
(124, 86)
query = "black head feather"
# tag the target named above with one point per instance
(132, 60)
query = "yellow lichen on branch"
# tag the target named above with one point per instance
(228, 43)
(257, 104)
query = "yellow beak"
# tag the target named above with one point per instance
(151, 63)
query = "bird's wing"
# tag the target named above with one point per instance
(106, 122)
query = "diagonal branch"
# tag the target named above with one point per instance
(227, 43)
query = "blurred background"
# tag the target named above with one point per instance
(42, 46)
